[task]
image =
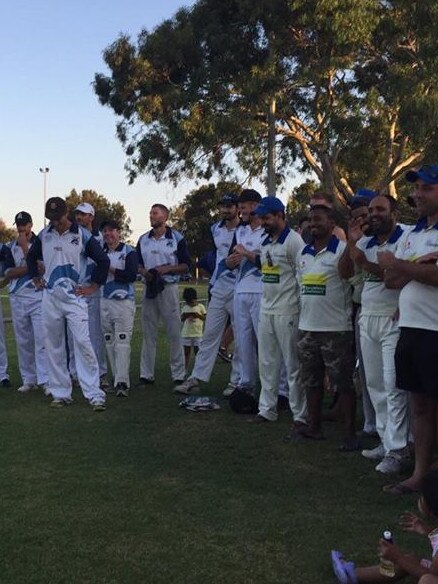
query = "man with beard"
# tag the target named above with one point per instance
(413, 269)
(279, 309)
(163, 257)
(379, 334)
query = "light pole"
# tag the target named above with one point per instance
(45, 171)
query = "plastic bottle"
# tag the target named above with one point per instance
(387, 568)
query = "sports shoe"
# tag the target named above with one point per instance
(229, 389)
(104, 383)
(145, 381)
(189, 386)
(60, 403)
(375, 453)
(224, 355)
(121, 390)
(26, 387)
(5, 382)
(394, 462)
(98, 406)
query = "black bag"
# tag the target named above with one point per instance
(242, 402)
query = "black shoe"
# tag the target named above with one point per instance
(145, 381)
(224, 355)
(177, 381)
(122, 390)
(5, 382)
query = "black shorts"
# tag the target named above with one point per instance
(416, 361)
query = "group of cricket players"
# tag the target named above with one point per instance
(308, 308)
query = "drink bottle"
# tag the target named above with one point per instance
(387, 568)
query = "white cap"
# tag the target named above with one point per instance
(85, 208)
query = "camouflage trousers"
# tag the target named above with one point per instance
(326, 352)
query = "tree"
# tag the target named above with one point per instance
(7, 234)
(350, 78)
(298, 201)
(103, 208)
(197, 212)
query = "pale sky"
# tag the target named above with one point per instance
(50, 116)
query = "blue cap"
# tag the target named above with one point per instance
(428, 174)
(362, 196)
(269, 205)
(229, 199)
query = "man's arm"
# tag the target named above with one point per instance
(34, 255)
(129, 274)
(184, 261)
(94, 251)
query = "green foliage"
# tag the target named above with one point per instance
(197, 212)
(298, 201)
(7, 234)
(103, 208)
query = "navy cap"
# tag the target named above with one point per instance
(229, 199)
(363, 197)
(269, 205)
(428, 174)
(22, 218)
(55, 208)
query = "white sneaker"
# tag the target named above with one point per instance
(189, 386)
(231, 387)
(26, 387)
(394, 462)
(375, 453)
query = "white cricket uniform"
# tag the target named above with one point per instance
(4, 257)
(65, 260)
(247, 298)
(169, 249)
(220, 309)
(118, 309)
(278, 325)
(418, 302)
(94, 321)
(26, 300)
(379, 335)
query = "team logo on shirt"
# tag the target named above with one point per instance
(122, 256)
(75, 240)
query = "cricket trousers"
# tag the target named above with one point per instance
(277, 342)
(59, 307)
(220, 309)
(246, 323)
(96, 336)
(3, 354)
(28, 329)
(117, 318)
(166, 307)
(378, 340)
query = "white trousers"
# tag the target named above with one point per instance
(278, 336)
(57, 309)
(96, 336)
(166, 307)
(220, 309)
(3, 354)
(378, 340)
(117, 318)
(246, 323)
(28, 325)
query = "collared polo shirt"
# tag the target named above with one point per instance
(377, 299)
(120, 286)
(169, 249)
(418, 302)
(326, 303)
(249, 276)
(222, 238)
(278, 266)
(23, 286)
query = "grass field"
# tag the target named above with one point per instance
(148, 493)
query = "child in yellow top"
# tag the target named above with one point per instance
(193, 317)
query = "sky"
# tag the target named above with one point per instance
(50, 116)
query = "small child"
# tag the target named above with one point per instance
(425, 571)
(192, 316)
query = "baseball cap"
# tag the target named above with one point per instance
(229, 199)
(85, 208)
(249, 196)
(428, 174)
(363, 197)
(55, 208)
(269, 204)
(22, 218)
(111, 223)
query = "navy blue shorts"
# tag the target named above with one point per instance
(416, 361)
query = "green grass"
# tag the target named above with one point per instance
(148, 493)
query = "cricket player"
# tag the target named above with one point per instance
(248, 291)
(25, 301)
(278, 325)
(5, 254)
(118, 304)
(85, 216)
(64, 248)
(221, 306)
(164, 251)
